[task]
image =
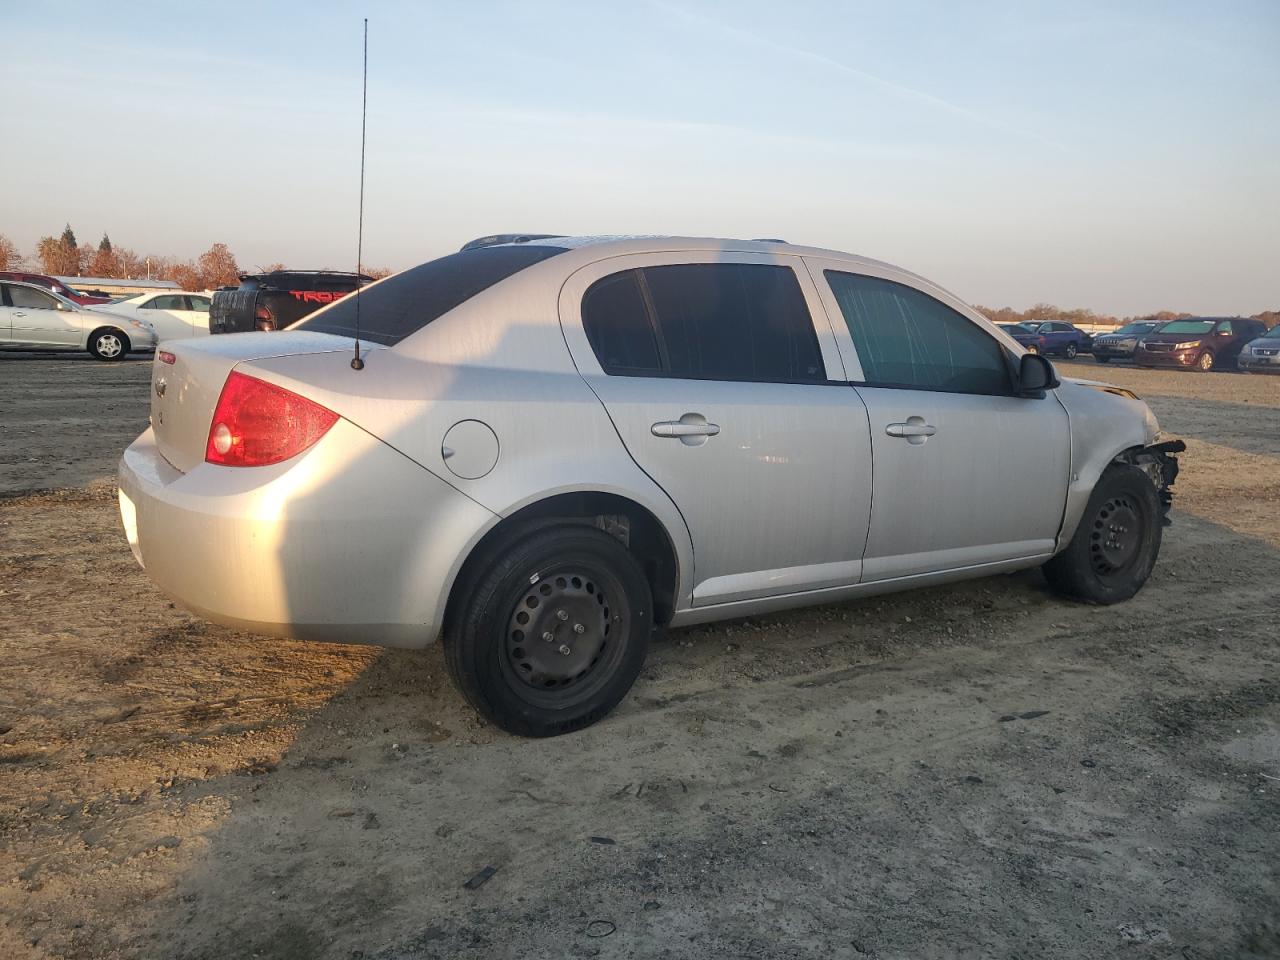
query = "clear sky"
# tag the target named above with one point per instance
(1118, 155)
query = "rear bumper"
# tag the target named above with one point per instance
(349, 542)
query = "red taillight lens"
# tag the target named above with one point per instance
(264, 319)
(257, 423)
(1043, 341)
(166, 357)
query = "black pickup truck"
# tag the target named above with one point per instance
(272, 301)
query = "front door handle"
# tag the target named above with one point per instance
(692, 429)
(915, 430)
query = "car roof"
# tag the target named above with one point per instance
(600, 247)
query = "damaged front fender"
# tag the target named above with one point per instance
(1159, 463)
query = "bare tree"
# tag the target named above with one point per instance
(218, 267)
(10, 258)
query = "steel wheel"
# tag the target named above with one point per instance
(1117, 534)
(558, 635)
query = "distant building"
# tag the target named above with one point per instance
(115, 287)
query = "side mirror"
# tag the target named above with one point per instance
(1035, 376)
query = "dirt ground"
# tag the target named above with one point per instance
(974, 771)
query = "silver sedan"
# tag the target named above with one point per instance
(540, 450)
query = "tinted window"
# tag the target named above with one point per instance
(733, 321)
(617, 324)
(32, 299)
(906, 338)
(1225, 327)
(407, 302)
(167, 302)
(199, 303)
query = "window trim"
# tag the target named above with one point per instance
(664, 358)
(845, 336)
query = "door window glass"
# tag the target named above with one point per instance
(906, 338)
(734, 321)
(170, 302)
(20, 296)
(617, 324)
(198, 303)
(1224, 327)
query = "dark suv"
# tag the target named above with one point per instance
(272, 301)
(1197, 343)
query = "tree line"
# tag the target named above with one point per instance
(64, 256)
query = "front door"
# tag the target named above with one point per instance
(717, 379)
(41, 319)
(966, 472)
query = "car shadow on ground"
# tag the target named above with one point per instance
(971, 769)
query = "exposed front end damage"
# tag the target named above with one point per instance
(1158, 463)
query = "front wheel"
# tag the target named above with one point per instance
(550, 635)
(109, 345)
(1033, 349)
(1204, 362)
(1116, 544)
(1071, 351)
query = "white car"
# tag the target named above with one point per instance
(174, 314)
(33, 316)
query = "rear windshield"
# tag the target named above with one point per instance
(1187, 326)
(407, 302)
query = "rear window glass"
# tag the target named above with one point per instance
(407, 302)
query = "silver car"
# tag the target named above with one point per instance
(1262, 354)
(541, 450)
(32, 316)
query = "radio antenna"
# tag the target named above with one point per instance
(356, 362)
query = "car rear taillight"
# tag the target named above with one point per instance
(264, 319)
(257, 423)
(1043, 341)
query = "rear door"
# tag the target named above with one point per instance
(726, 392)
(966, 473)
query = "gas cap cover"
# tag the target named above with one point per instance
(470, 449)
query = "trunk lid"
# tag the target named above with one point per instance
(185, 393)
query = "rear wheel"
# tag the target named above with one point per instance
(109, 345)
(1071, 351)
(1204, 362)
(550, 635)
(1115, 547)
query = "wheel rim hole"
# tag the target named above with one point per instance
(545, 589)
(577, 583)
(522, 618)
(561, 582)
(531, 602)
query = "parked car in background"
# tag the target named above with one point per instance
(1027, 338)
(1119, 344)
(173, 315)
(273, 301)
(34, 316)
(1197, 343)
(1262, 354)
(54, 284)
(1059, 337)
(554, 446)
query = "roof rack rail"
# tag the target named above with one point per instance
(500, 238)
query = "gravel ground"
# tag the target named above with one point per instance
(974, 771)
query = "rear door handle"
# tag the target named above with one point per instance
(915, 430)
(692, 429)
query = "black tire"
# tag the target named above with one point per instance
(1071, 351)
(1116, 545)
(1200, 366)
(108, 344)
(1101, 359)
(575, 583)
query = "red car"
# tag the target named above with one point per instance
(54, 284)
